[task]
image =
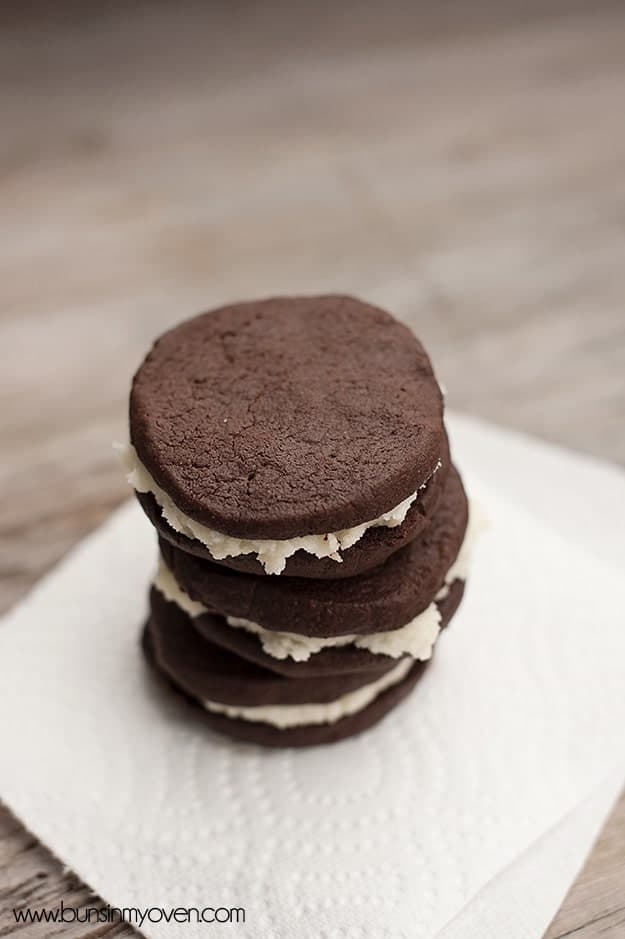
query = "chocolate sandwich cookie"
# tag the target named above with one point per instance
(246, 701)
(211, 673)
(375, 546)
(287, 427)
(264, 734)
(385, 599)
(333, 660)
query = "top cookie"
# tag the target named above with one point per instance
(287, 417)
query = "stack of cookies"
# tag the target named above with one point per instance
(292, 457)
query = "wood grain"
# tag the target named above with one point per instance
(595, 905)
(463, 165)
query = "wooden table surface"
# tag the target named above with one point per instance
(463, 164)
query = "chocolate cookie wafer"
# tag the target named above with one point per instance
(287, 426)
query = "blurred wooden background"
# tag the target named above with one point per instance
(462, 164)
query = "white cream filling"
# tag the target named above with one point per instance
(166, 583)
(271, 554)
(416, 638)
(298, 715)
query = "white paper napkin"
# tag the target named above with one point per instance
(520, 902)
(387, 835)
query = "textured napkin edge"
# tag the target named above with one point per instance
(570, 839)
(66, 559)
